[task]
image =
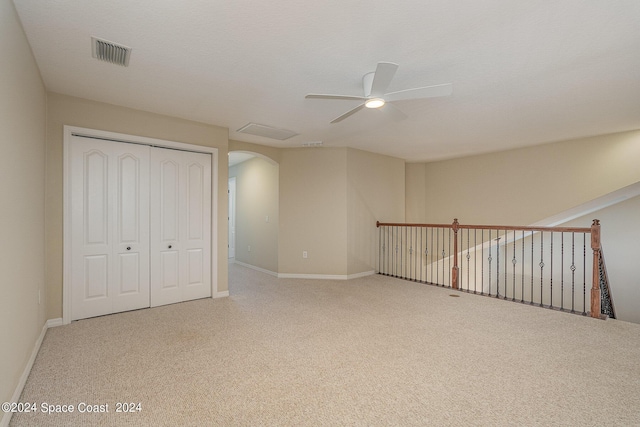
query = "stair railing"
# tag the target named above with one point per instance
(544, 266)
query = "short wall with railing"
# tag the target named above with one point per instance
(555, 267)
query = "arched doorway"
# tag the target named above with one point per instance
(254, 211)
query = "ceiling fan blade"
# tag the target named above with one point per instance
(382, 78)
(420, 92)
(348, 113)
(329, 96)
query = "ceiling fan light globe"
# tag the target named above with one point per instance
(374, 103)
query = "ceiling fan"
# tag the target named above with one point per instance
(376, 83)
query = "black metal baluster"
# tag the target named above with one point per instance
(392, 250)
(584, 274)
(407, 253)
(468, 261)
(562, 270)
(384, 252)
(395, 257)
(448, 282)
(573, 271)
(399, 243)
(411, 253)
(416, 253)
(421, 241)
(475, 260)
(388, 252)
(482, 262)
(402, 252)
(432, 252)
(404, 248)
(532, 235)
(522, 278)
(443, 263)
(497, 264)
(541, 264)
(437, 256)
(489, 259)
(551, 275)
(514, 261)
(385, 244)
(380, 246)
(506, 251)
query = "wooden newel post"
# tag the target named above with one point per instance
(454, 269)
(595, 286)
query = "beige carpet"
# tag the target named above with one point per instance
(373, 351)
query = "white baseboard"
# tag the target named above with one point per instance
(253, 267)
(27, 369)
(52, 323)
(220, 294)
(325, 276)
(307, 276)
(363, 274)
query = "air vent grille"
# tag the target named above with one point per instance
(267, 131)
(110, 52)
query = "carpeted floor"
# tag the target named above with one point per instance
(373, 351)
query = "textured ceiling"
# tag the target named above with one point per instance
(524, 72)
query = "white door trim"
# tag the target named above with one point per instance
(232, 217)
(69, 131)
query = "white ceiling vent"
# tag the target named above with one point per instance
(110, 52)
(267, 131)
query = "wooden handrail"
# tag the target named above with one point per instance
(489, 227)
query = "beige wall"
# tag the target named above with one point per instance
(375, 192)
(525, 185)
(415, 192)
(257, 187)
(313, 211)
(65, 110)
(22, 136)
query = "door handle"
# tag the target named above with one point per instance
(169, 246)
(128, 248)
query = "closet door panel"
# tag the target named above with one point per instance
(180, 226)
(109, 227)
(198, 226)
(131, 227)
(90, 242)
(165, 174)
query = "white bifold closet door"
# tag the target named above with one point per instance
(110, 227)
(140, 226)
(180, 226)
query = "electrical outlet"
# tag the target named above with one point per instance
(305, 254)
(249, 248)
(266, 218)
